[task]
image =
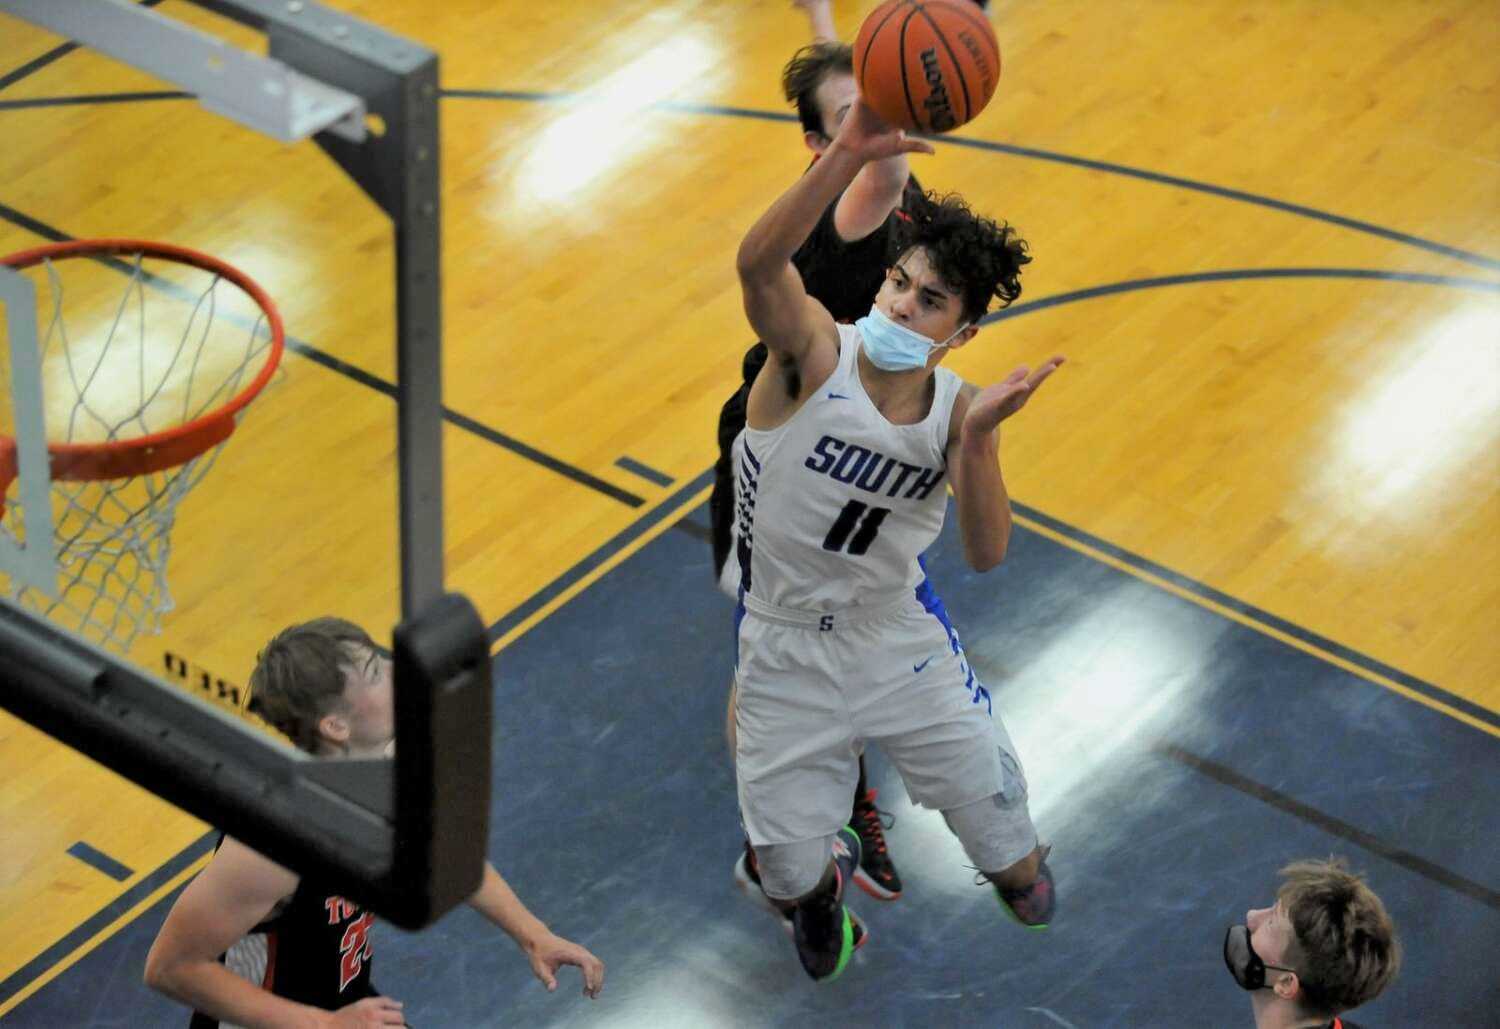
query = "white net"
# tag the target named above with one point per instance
(122, 376)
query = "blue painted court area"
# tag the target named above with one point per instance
(1176, 759)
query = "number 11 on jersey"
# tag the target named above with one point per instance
(855, 513)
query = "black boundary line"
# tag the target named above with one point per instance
(374, 382)
(92, 98)
(37, 64)
(43, 962)
(1333, 826)
(59, 950)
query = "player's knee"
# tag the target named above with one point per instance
(998, 837)
(791, 871)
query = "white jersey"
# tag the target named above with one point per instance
(834, 507)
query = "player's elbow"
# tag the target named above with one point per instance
(164, 969)
(985, 556)
(158, 971)
(755, 264)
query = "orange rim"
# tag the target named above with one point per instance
(121, 459)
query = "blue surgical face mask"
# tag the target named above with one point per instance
(892, 347)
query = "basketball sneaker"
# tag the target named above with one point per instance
(1033, 906)
(825, 932)
(748, 878)
(876, 873)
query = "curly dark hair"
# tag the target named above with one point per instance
(977, 257)
(806, 71)
(299, 677)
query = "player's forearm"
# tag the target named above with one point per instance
(787, 223)
(984, 518)
(209, 987)
(868, 202)
(887, 178)
(496, 901)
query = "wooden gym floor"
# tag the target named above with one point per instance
(1267, 237)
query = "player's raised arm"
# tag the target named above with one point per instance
(787, 320)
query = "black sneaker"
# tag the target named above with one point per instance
(823, 929)
(748, 878)
(876, 874)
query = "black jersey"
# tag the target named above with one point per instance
(842, 275)
(315, 951)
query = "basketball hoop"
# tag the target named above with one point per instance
(143, 417)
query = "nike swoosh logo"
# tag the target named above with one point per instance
(837, 396)
(924, 664)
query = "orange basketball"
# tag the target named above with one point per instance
(927, 65)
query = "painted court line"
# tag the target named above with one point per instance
(99, 860)
(571, 582)
(102, 925)
(36, 973)
(1334, 826)
(644, 471)
(1321, 646)
(92, 98)
(36, 65)
(1034, 153)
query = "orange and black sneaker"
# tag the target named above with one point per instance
(876, 873)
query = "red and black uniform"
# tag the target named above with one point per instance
(842, 275)
(315, 951)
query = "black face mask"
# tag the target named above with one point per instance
(1244, 964)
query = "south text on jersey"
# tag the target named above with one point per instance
(871, 470)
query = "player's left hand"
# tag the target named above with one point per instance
(996, 403)
(551, 952)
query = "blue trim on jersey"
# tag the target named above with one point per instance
(933, 605)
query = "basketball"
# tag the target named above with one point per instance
(927, 65)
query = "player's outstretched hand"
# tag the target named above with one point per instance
(869, 136)
(996, 403)
(551, 952)
(367, 1013)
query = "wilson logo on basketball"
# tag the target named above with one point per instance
(937, 105)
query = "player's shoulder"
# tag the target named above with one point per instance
(962, 398)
